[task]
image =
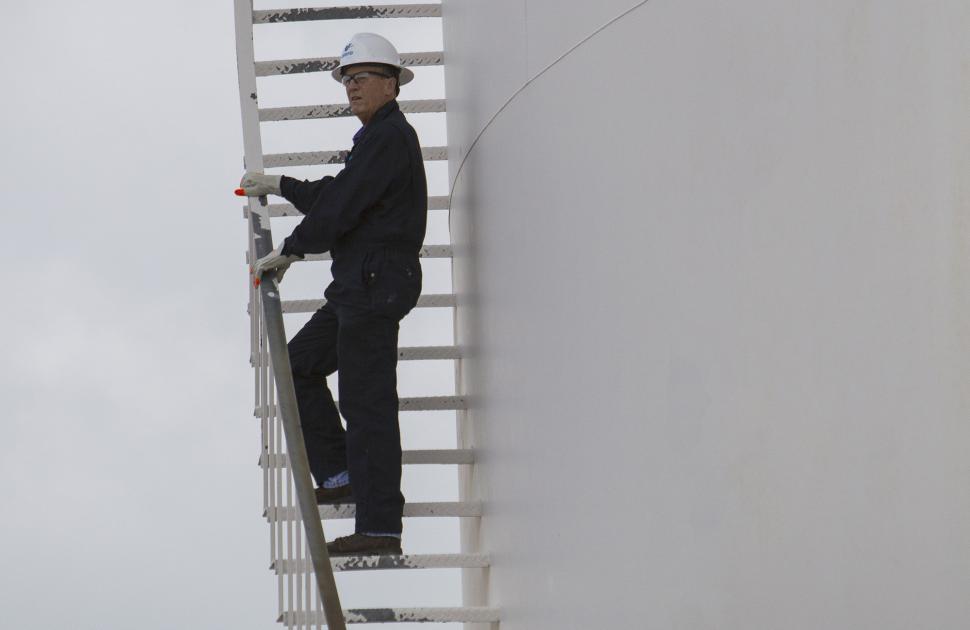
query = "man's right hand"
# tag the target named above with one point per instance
(258, 185)
(276, 261)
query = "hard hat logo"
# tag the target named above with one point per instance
(372, 48)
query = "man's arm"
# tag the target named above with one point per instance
(303, 193)
(380, 157)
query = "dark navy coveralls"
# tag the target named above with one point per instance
(372, 218)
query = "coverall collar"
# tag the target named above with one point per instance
(385, 110)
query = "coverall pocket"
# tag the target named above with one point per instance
(393, 282)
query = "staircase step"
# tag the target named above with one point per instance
(433, 300)
(439, 202)
(411, 353)
(439, 456)
(275, 16)
(326, 64)
(428, 353)
(407, 561)
(428, 251)
(437, 509)
(461, 509)
(340, 110)
(416, 403)
(414, 457)
(312, 158)
(432, 403)
(466, 614)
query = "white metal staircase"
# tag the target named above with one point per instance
(301, 602)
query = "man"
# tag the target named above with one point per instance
(371, 217)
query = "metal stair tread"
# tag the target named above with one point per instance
(428, 353)
(460, 509)
(430, 403)
(370, 11)
(412, 353)
(467, 614)
(340, 110)
(437, 202)
(428, 251)
(410, 457)
(375, 563)
(410, 403)
(431, 300)
(326, 64)
(314, 158)
(427, 509)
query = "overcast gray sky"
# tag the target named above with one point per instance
(129, 447)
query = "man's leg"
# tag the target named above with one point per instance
(313, 357)
(367, 347)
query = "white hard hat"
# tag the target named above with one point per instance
(371, 48)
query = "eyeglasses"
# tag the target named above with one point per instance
(357, 77)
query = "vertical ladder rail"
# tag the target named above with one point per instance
(272, 317)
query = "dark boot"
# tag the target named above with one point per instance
(329, 496)
(361, 545)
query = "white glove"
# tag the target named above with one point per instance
(274, 261)
(257, 184)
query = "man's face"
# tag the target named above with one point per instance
(367, 95)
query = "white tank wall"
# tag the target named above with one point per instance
(713, 282)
